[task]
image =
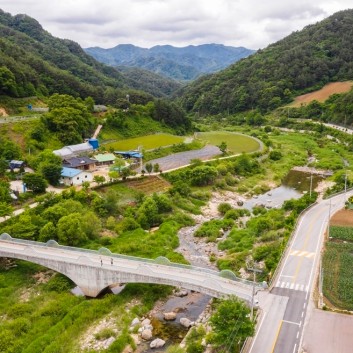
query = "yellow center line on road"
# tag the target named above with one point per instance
(276, 338)
(309, 233)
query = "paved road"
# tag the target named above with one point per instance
(281, 330)
(182, 159)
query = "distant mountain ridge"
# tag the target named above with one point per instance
(302, 62)
(33, 62)
(182, 64)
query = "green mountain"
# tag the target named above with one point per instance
(299, 63)
(33, 62)
(148, 81)
(181, 64)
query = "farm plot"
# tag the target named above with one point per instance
(322, 94)
(338, 267)
(147, 142)
(149, 185)
(236, 143)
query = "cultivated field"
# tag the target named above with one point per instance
(149, 184)
(236, 143)
(342, 218)
(338, 261)
(148, 142)
(322, 94)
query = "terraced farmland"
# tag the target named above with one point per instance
(149, 184)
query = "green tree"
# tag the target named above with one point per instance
(156, 168)
(70, 230)
(48, 232)
(149, 167)
(51, 172)
(9, 150)
(69, 118)
(99, 179)
(5, 191)
(4, 165)
(35, 182)
(147, 214)
(203, 175)
(7, 82)
(223, 147)
(23, 228)
(231, 324)
(5, 209)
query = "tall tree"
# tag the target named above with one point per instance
(231, 325)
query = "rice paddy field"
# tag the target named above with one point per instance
(236, 143)
(147, 142)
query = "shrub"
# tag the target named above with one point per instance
(223, 208)
(104, 334)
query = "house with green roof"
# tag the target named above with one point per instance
(104, 158)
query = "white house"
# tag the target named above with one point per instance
(71, 176)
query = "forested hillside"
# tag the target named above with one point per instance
(33, 62)
(299, 63)
(182, 64)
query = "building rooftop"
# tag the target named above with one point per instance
(70, 172)
(106, 157)
(75, 162)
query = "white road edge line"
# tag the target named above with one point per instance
(257, 332)
(292, 322)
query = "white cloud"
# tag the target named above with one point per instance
(105, 23)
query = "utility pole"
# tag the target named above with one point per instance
(311, 182)
(329, 217)
(254, 271)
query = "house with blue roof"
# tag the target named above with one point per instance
(72, 176)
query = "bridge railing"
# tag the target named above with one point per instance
(106, 252)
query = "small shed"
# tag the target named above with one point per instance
(15, 164)
(71, 176)
(129, 154)
(104, 159)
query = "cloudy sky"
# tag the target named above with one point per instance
(105, 23)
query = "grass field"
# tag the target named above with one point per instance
(338, 263)
(236, 143)
(322, 94)
(147, 142)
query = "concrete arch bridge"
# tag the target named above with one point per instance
(93, 271)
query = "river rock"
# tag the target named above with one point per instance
(146, 334)
(108, 342)
(169, 316)
(181, 293)
(135, 322)
(136, 339)
(146, 322)
(185, 322)
(157, 343)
